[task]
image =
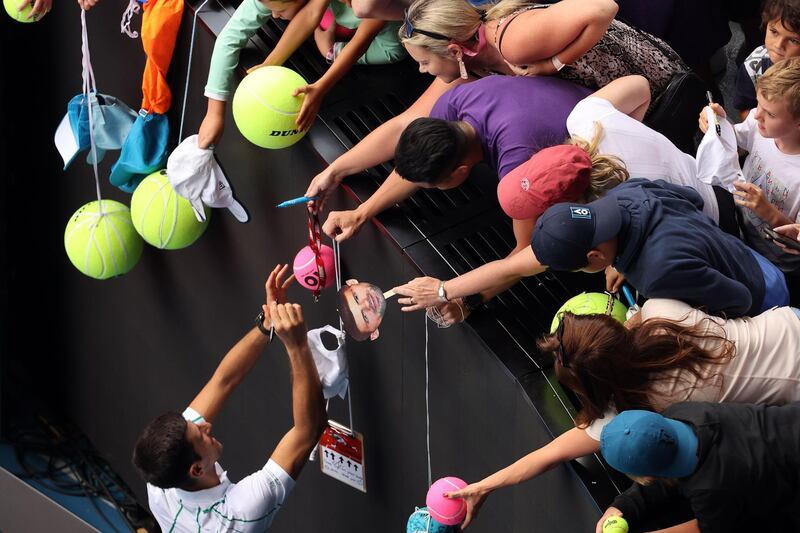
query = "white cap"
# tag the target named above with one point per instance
(196, 175)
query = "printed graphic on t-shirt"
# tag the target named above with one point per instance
(755, 64)
(776, 192)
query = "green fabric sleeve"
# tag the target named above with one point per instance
(244, 23)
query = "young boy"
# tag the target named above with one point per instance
(782, 41)
(373, 42)
(770, 194)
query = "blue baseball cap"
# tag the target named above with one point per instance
(144, 151)
(643, 443)
(566, 232)
(112, 121)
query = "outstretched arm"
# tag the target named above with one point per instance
(241, 359)
(567, 29)
(308, 405)
(300, 28)
(488, 279)
(570, 445)
(315, 92)
(629, 95)
(377, 147)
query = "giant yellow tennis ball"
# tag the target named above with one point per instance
(264, 108)
(615, 524)
(591, 303)
(162, 217)
(19, 16)
(102, 243)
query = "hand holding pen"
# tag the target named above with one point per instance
(717, 127)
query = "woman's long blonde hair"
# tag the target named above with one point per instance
(608, 171)
(456, 19)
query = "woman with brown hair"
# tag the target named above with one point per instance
(668, 353)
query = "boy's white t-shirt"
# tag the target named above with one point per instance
(645, 152)
(778, 175)
(247, 506)
(764, 370)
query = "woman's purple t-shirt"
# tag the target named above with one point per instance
(513, 116)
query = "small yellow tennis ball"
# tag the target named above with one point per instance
(591, 303)
(19, 16)
(102, 243)
(615, 524)
(162, 217)
(265, 110)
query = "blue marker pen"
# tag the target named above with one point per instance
(297, 201)
(628, 295)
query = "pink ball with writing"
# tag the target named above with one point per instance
(442, 509)
(305, 267)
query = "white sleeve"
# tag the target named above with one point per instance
(746, 132)
(156, 500)
(581, 120)
(595, 429)
(260, 495)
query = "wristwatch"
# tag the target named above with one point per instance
(557, 63)
(260, 325)
(441, 294)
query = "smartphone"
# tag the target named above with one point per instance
(773, 235)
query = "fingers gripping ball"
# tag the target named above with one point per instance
(615, 524)
(102, 243)
(265, 110)
(591, 303)
(421, 521)
(444, 510)
(305, 267)
(19, 16)
(162, 217)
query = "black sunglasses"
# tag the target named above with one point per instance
(409, 30)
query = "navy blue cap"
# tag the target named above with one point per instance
(643, 443)
(566, 232)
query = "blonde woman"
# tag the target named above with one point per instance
(577, 39)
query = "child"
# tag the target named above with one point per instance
(770, 194)
(782, 41)
(372, 42)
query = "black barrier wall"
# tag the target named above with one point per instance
(114, 354)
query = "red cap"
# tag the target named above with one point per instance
(557, 174)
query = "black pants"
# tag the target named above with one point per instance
(728, 219)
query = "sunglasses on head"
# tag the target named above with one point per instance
(409, 30)
(561, 355)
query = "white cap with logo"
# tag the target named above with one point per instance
(196, 175)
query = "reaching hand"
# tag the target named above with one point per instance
(287, 319)
(275, 286)
(452, 312)
(40, 8)
(793, 232)
(421, 292)
(703, 120)
(341, 225)
(611, 511)
(311, 104)
(474, 496)
(614, 279)
(543, 67)
(322, 185)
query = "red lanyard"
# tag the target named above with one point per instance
(315, 243)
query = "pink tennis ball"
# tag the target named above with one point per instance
(442, 509)
(305, 267)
